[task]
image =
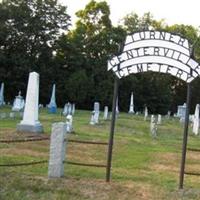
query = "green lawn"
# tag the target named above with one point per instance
(143, 168)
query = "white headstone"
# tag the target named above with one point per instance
(105, 115)
(92, 121)
(19, 103)
(131, 107)
(145, 113)
(2, 95)
(73, 108)
(52, 105)
(69, 120)
(117, 106)
(57, 150)
(195, 128)
(159, 119)
(30, 121)
(67, 109)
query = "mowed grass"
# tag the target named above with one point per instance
(143, 168)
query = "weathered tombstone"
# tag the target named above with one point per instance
(73, 108)
(195, 128)
(182, 111)
(105, 115)
(159, 119)
(168, 114)
(131, 107)
(145, 113)
(153, 126)
(19, 103)
(67, 109)
(69, 120)
(3, 115)
(92, 121)
(30, 121)
(96, 112)
(12, 115)
(57, 150)
(52, 105)
(2, 95)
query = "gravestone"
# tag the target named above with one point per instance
(117, 106)
(73, 108)
(153, 126)
(92, 121)
(69, 126)
(12, 115)
(182, 111)
(145, 113)
(30, 121)
(3, 115)
(195, 128)
(159, 119)
(57, 150)
(105, 115)
(168, 114)
(67, 109)
(19, 103)
(2, 95)
(96, 112)
(52, 105)
(131, 107)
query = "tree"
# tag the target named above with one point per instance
(31, 27)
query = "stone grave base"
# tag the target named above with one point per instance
(38, 128)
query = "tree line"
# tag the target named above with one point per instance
(36, 35)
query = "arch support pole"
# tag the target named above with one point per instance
(112, 130)
(185, 137)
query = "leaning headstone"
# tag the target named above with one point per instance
(57, 150)
(153, 126)
(195, 128)
(145, 113)
(69, 126)
(159, 119)
(105, 115)
(131, 107)
(96, 112)
(19, 103)
(2, 95)
(52, 105)
(30, 121)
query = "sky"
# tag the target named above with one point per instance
(173, 11)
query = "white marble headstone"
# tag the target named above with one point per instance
(30, 122)
(145, 113)
(195, 128)
(131, 107)
(105, 115)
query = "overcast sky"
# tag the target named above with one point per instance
(173, 11)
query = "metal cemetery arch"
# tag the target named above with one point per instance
(158, 52)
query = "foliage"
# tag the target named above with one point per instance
(35, 35)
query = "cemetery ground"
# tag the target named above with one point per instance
(142, 168)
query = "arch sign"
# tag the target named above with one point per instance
(158, 52)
